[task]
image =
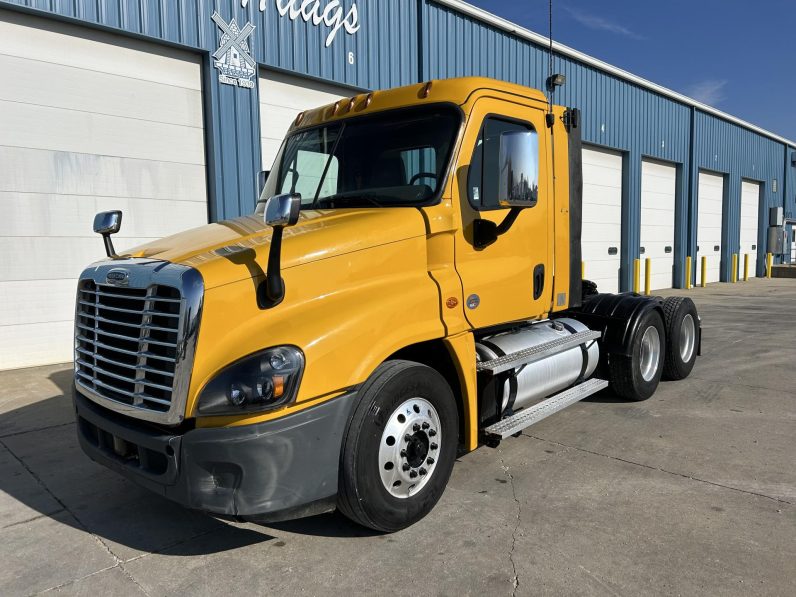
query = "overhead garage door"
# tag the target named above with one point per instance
(602, 216)
(710, 203)
(658, 191)
(282, 97)
(86, 124)
(750, 205)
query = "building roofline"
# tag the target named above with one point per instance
(506, 25)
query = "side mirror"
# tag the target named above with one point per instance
(282, 210)
(107, 223)
(518, 176)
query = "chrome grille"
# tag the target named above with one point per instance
(127, 342)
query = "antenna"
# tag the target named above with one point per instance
(553, 79)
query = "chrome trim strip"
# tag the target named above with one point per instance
(145, 273)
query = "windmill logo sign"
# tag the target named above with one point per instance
(233, 57)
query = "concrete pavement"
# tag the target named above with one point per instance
(691, 492)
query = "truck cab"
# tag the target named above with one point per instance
(407, 288)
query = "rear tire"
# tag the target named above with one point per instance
(405, 423)
(636, 377)
(682, 337)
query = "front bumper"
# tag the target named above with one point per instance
(285, 468)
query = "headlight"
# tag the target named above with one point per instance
(259, 382)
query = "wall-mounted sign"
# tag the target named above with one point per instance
(233, 57)
(317, 12)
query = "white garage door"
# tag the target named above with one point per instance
(282, 97)
(710, 202)
(750, 205)
(658, 191)
(602, 217)
(85, 126)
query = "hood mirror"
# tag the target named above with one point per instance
(280, 211)
(107, 223)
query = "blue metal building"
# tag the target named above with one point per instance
(357, 45)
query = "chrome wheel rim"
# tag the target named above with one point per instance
(409, 448)
(650, 353)
(687, 338)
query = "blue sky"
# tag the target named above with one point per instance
(736, 55)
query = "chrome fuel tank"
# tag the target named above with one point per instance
(535, 381)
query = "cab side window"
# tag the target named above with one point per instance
(490, 173)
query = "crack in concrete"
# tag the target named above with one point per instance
(117, 560)
(37, 517)
(659, 469)
(516, 579)
(17, 433)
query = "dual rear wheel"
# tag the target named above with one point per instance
(662, 347)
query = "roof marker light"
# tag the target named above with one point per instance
(426, 90)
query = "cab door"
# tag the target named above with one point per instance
(506, 271)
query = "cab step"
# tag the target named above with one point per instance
(536, 353)
(533, 414)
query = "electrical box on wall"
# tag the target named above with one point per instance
(776, 216)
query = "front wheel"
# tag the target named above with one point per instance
(399, 447)
(636, 377)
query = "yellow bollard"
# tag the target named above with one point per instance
(582, 270)
(746, 267)
(769, 263)
(688, 272)
(734, 267)
(636, 274)
(704, 271)
(647, 275)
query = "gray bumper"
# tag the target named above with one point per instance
(275, 470)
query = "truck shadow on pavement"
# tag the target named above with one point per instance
(47, 474)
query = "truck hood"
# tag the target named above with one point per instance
(237, 249)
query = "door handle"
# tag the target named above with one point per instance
(538, 281)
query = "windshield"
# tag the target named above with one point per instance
(391, 159)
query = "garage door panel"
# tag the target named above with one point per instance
(33, 214)
(750, 205)
(38, 343)
(608, 213)
(56, 258)
(42, 127)
(87, 91)
(89, 121)
(602, 216)
(710, 205)
(47, 300)
(29, 170)
(600, 176)
(658, 193)
(601, 196)
(33, 38)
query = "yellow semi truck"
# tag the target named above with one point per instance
(407, 289)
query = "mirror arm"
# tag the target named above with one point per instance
(106, 238)
(274, 284)
(486, 232)
(508, 221)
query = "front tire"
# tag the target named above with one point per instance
(637, 377)
(399, 448)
